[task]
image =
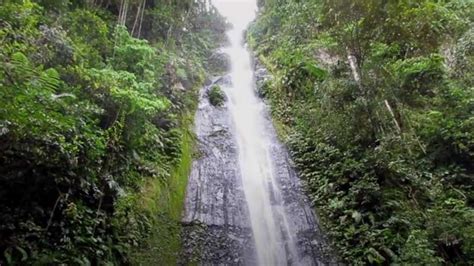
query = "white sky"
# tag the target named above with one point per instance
(237, 12)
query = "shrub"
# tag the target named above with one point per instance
(216, 96)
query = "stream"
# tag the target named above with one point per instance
(244, 203)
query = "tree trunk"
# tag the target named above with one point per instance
(397, 125)
(123, 12)
(141, 19)
(357, 78)
(135, 22)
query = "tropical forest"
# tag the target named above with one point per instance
(236, 132)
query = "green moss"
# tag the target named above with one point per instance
(91, 110)
(216, 96)
(166, 202)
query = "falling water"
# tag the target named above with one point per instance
(244, 202)
(268, 219)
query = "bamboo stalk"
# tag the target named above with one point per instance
(387, 104)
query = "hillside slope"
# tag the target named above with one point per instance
(375, 100)
(96, 100)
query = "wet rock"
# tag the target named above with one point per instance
(224, 81)
(208, 81)
(213, 245)
(216, 229)
(219, 62)
(216, 224)
(261, 73)
(262, 79)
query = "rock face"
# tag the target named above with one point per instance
(244, 202)
(262, 77)
(216, 225)
(219, 62)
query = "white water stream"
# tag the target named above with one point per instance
(274, 240)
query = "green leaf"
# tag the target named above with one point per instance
(315, 71)
(357, 216)
(24, 254)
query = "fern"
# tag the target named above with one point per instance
(21, 65)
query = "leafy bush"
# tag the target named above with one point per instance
(387, 159)
(216, 95)
(89, 118)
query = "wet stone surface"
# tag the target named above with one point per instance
(216, 225)
(216, 222)
(262, 76)
(219, 62)
(216, 244)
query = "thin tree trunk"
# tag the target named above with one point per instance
(141, 19)
(399, 129)
(50, 220)
(124, 21)
(135, 22)
(120, 12)
(355, 72)
(123, 12)
(357, 78)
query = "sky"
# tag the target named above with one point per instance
(237, 12)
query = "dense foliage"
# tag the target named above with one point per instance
(376, 101)
(216, 95)
(89, 114)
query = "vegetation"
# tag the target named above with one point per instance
(375, 100)
(96, 99)
(216, 95)
(376, 103)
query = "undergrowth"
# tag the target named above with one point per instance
(386, 158)
(96, 99)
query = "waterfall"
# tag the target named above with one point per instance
(244, 203)
(274, 242)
